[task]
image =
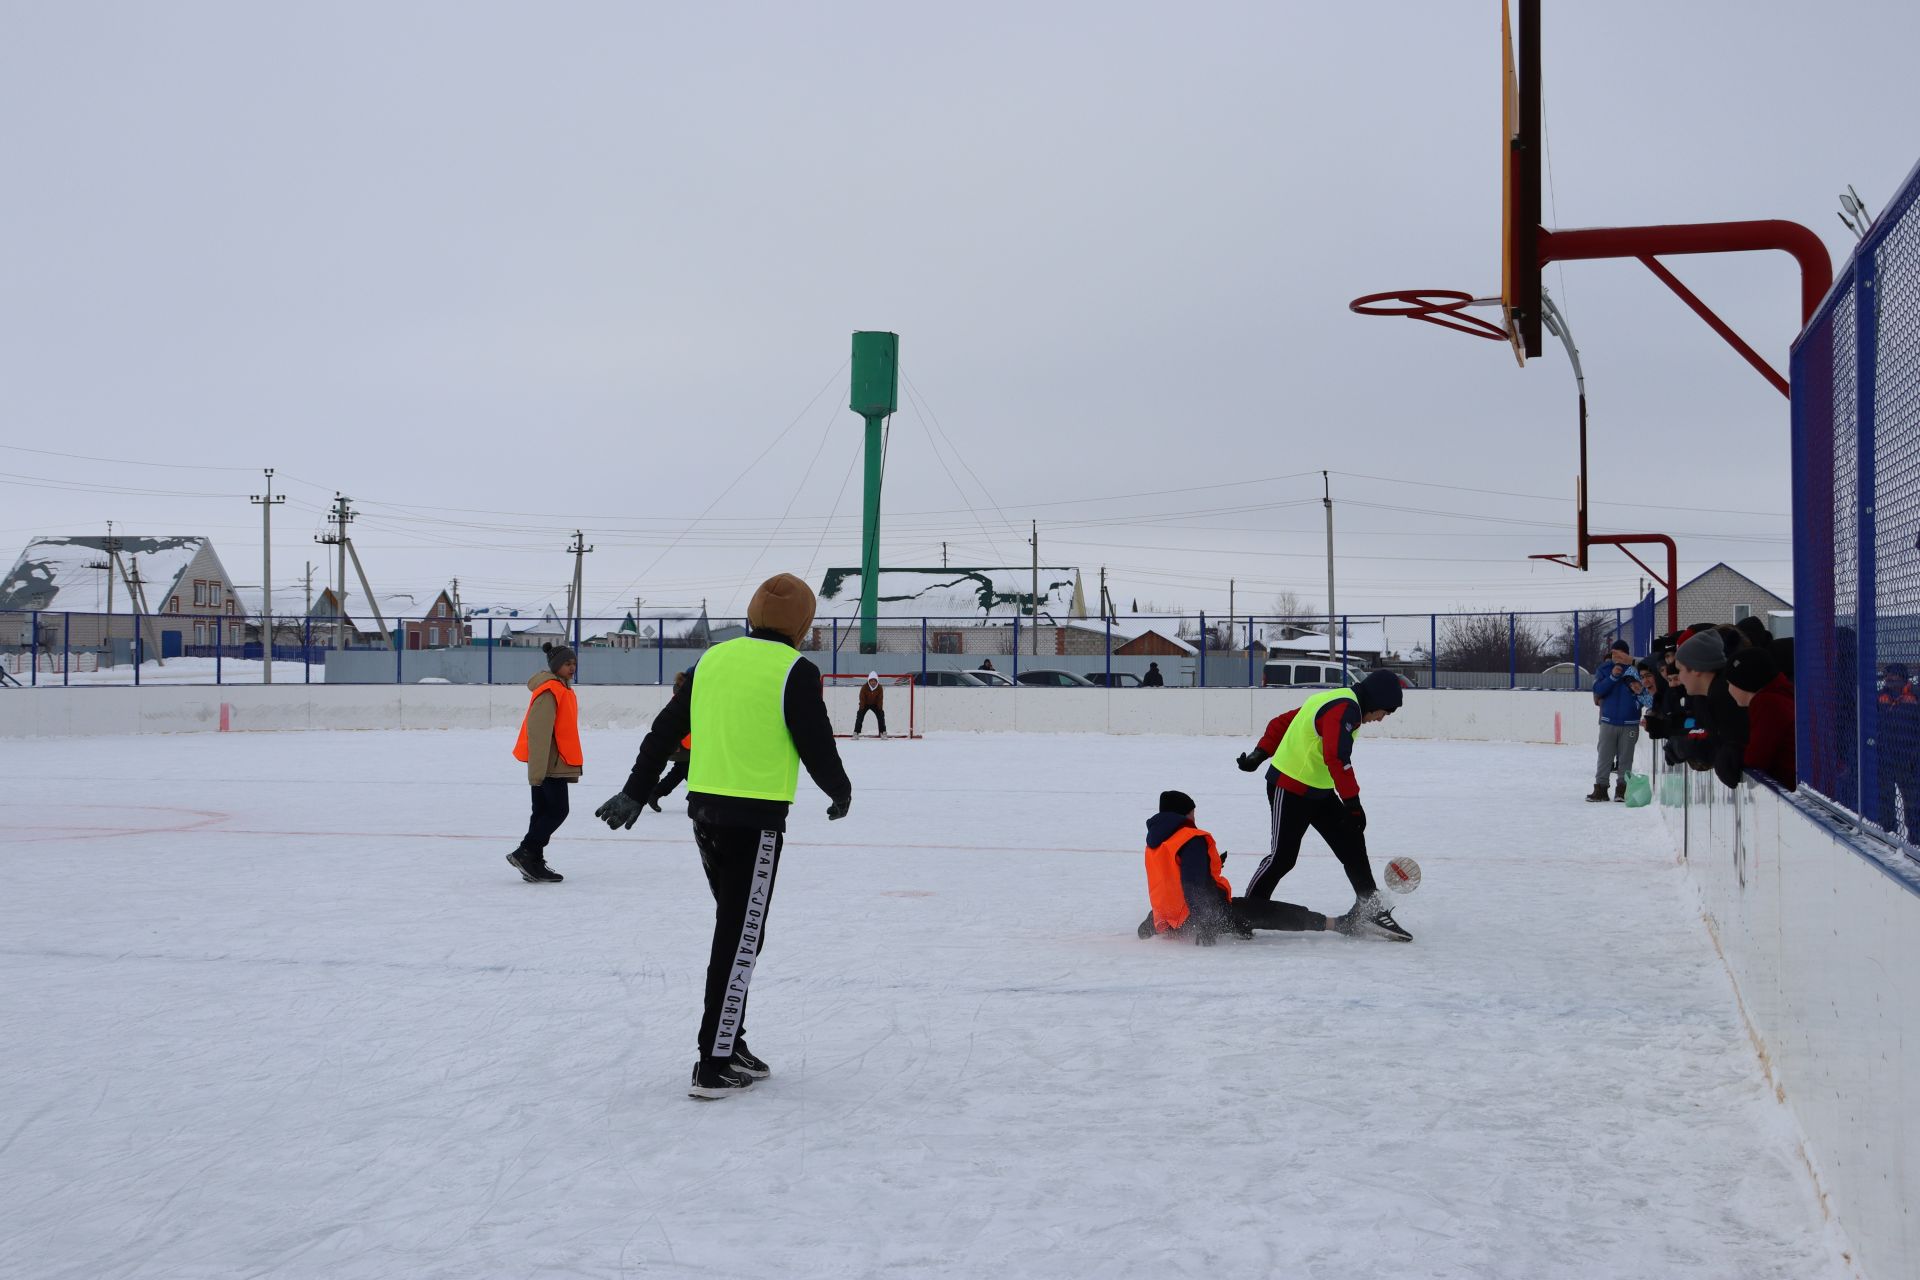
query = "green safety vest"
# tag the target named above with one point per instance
(1300, 755)
(741, 744)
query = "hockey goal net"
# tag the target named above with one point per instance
(896, 717)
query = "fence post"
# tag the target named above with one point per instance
(1513, 661)
(399, 649)
(1866, 311)
(35, 624)
(834, 665)
(1109, 621)
(218, 666)
(1433, 651)
(1203, 648)
(137, 653)
(1016, 649)
(1344, 675)
(306, 650)
(66, 649)
(1575, 674)
(1251, 682)
(659, 649)
(923, 649)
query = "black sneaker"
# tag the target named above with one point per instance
(717, 1080)
(533, 867)
(746, 1060)
(1370, 918)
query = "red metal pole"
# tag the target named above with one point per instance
(1622, 540)
(1816, 268)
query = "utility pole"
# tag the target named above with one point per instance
(1326, 490)
(1104, 615)
(266, 502)
(577, 550)
(1034, 604)
(373, 602)
(342, 513)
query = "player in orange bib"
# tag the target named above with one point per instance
(1189, 891)
(549, 744)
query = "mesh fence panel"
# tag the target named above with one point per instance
(1896, 549)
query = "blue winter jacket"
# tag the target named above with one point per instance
(1618, 703)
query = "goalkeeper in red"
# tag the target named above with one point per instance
(1310, 783)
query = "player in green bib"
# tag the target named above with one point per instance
(1310, 783)
(755, 712)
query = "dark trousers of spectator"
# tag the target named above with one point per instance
(1323, 811)
(860, 718)
(550, 807)
(1908, 803)
(740, 863)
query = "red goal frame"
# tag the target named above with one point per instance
(889, 680)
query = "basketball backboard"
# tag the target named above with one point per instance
(1520, 176)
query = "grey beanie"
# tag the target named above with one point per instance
(1704, 652)
(558, 656)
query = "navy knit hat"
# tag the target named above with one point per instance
(1380, 691)
(1176, 802)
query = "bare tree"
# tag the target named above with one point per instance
(1491, 642)
(1295, 616)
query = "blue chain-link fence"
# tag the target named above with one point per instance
(1856, 529)
(1492, 650)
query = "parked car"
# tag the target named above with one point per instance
(1053, 680)
(1289, 673)
(992, 679)
(1114, 679)
(949, 680)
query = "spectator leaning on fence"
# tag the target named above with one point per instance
(1897, 753)
(1616, 690)
(1754, 683)
(1712, 733)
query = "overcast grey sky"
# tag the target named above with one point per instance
(584, 262)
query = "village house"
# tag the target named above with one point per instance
(177, 584)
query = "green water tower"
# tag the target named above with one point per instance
(875, 395)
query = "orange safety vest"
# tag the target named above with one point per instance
(1163, 878)
(566, 723)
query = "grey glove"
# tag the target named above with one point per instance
(838, 809)
(620, 811)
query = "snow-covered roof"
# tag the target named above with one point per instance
(58, 573)
(1127, 630)
(982, 594)
(289, 599)
(1356, 637)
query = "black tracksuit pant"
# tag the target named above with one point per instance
(860, 718)
(1323, 811)
(740, 863)
(550, 806)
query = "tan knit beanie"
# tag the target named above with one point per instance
(784, 604)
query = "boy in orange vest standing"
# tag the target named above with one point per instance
(1189, 892)
(550, 745)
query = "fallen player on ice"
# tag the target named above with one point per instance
(1190, 894)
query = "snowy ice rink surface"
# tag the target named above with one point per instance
(275, 1006)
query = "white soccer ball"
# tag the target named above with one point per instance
(1403, 875)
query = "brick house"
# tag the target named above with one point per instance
(1721, 594)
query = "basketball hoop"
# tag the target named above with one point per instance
(1444, 307)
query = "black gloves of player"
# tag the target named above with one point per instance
(838, 809)
(620, 811)
(1249, 761)
(1355, 812)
